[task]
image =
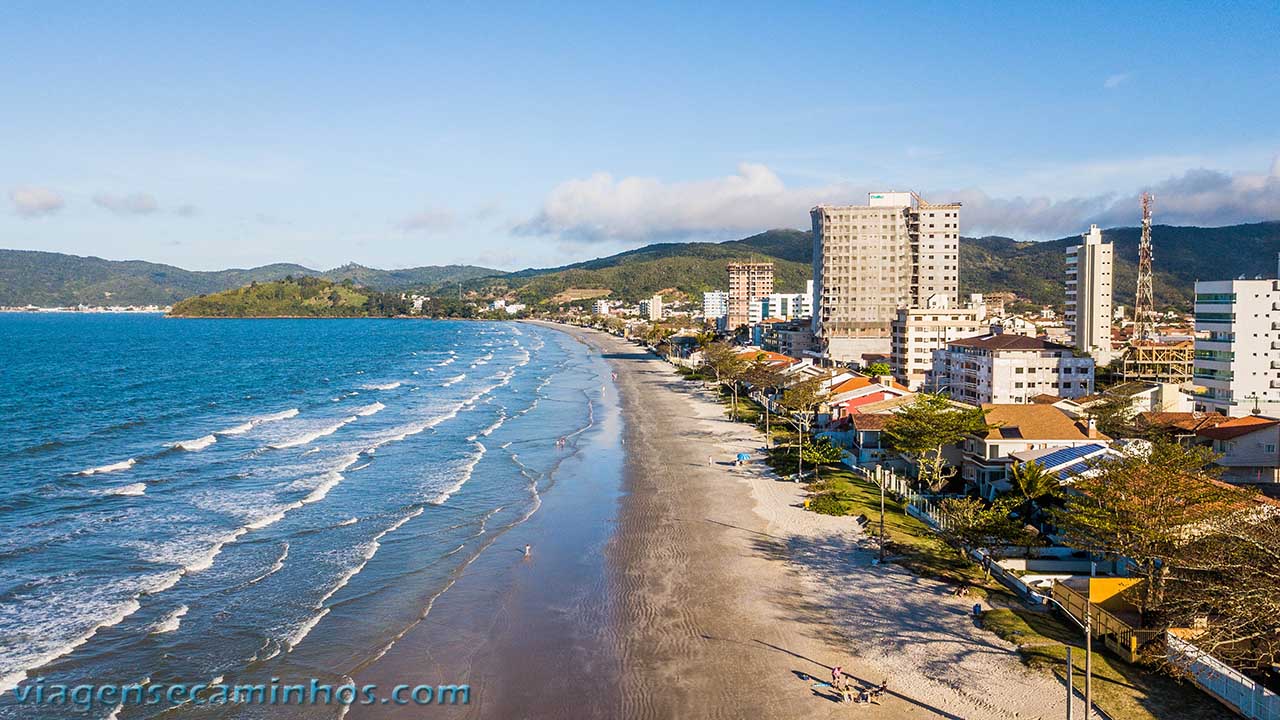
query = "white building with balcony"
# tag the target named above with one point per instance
(715, 304)
(1088, 315)
(1238, 364)
(1009, 369)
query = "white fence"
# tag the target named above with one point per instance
(1247, 697)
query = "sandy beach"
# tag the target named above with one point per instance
(729, 596)
(693, 588)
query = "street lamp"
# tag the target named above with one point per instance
(1087, 626)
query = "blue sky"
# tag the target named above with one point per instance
(513, 135)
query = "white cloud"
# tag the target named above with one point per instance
(1115, 81)
(601, 208)
(135, 204)
(34, 202)
(429, 219)
(633, 210)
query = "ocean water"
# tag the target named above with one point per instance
(195, 500)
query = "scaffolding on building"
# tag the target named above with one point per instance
(1159, 362)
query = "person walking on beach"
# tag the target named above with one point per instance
(710, 461)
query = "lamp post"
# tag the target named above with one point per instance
(1087, 626)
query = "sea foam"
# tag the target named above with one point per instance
(313, 435)
(196, 445)
(113, 467)
(170, 622)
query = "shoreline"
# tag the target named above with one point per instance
(731, 596)
(688, 589)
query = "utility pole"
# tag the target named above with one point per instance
(1088, 661)
(1087, 626)
(1071, 688)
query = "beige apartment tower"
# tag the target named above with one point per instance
(871, 260)
(747, 281)
(1088, 312)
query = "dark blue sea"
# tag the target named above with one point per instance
(182, 500)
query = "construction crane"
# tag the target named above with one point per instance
(1144, 305)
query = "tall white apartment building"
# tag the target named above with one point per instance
(917, 332)
(651, 308)
(601, 307)
(747, 281)
(1239, 363)
(1009, 369)
(715, 304)
(1088, 313)
(871, 260)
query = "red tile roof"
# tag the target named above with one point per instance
(1189, 421)
(857, 383)
(1236, 427)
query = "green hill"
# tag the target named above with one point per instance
(1182, 255)
(1033, 270)
(687, 267)
(30, 277)
(294, 297)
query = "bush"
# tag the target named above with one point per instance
(827, 504)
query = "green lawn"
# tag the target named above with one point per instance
(1123, 691)
(912, 543)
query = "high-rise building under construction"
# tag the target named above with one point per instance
(870, 260)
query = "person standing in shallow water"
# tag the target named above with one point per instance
(528, 550)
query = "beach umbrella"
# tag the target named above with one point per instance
(743, 457)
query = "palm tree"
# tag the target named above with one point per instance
(1034, 483)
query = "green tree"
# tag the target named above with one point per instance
(923, 429)
(971, 523)
(729, 367)
(801, 400)
(1033, 483)
(822, 452)
(879, 369)
(1147, 507)
(767, 380)
(1114, 415)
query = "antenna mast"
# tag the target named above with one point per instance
(1144, 301)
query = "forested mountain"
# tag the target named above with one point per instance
(294, 297)
(46, 279)
(1033, 270)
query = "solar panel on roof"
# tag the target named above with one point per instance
(1070, 472)
(1066, 455)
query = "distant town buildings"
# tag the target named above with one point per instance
(747, 281)
(651, 308)
(715, 304)
(781, 306)
(1088, 313)
(1009, 369)
(1238, 363)
(601, 307)
(917, 332)
(869, 261)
